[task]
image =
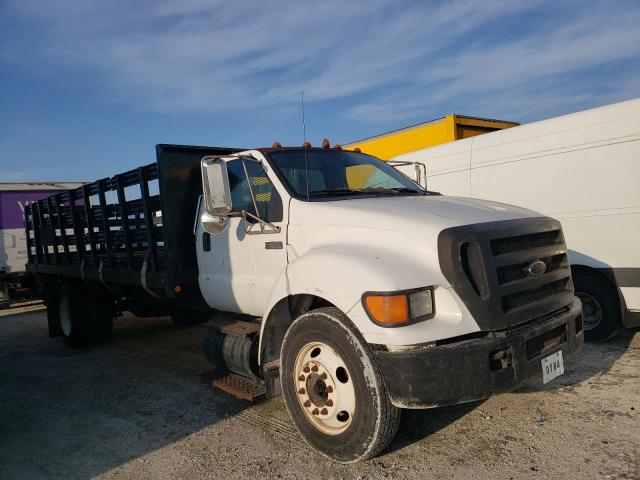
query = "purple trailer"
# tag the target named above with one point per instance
(15, 284)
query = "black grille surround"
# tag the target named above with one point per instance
(486, 264)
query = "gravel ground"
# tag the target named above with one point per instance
(140, 407)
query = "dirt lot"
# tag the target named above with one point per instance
(137, 407)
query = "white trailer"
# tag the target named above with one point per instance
(14, 283)
(582, 169)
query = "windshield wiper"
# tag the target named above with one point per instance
(391, 190)
(369, 190)
(406, 190)
(336, 191)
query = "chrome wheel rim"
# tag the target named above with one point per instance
(591, 311)
(65, 316)
(324, 388)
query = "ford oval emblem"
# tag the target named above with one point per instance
(536, 268)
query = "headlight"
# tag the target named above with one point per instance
(396, 309)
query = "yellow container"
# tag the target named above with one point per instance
(423, 135)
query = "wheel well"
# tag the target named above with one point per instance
(281, 317)
(585, 271)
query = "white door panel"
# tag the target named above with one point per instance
(238, 271)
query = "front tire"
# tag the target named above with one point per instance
(333, 390)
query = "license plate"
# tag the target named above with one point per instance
(552, 366)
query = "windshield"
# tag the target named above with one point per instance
(328, 173)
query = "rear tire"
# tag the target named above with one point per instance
(84, 317)
(74, 317)
(341, 406)
(600, 312)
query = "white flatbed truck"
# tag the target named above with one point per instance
(353, 303)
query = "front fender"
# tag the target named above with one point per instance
(341, 274)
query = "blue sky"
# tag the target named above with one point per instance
(88, 87)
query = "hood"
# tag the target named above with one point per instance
(434, 211)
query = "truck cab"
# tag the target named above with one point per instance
(324, 275)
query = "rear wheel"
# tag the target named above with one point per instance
(600, 313)
(74, 317)
(333, 389)
(84, 316)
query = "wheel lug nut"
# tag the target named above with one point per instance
(306, 369)
(324, 411)
(329, 389)
(307, 404)
(329, 403)
(301, 378)
(314, 368)
(302, 391)
(323, 376)
(315, 411)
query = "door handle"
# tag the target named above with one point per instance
(206, 241)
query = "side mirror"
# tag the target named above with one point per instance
(216, 193)
(215, 186)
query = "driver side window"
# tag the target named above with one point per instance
(267, 198)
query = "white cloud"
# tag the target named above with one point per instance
(389, 60)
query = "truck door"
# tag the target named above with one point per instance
(237, 271)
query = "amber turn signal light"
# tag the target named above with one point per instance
(388, 309)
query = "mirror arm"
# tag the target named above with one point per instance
(417, 167)
(263, 223)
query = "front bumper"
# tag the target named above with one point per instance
(477, 368)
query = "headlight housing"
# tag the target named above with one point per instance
(397, 309)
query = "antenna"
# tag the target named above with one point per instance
(304, 125)
(304, 139)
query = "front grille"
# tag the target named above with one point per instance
(487, 265)
(525, 297)
(523, 242)
(514, 272)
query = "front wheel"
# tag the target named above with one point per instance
(333, 390)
